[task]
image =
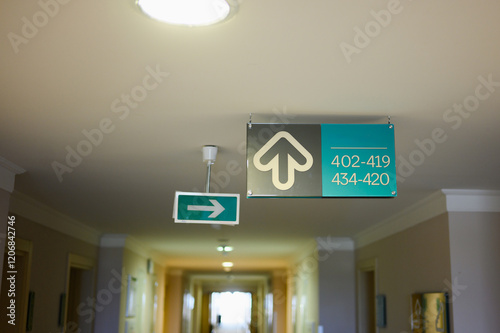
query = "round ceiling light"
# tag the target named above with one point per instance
(227, 264)
(188, 12)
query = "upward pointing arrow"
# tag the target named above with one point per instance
(274, 163)
(216, 208)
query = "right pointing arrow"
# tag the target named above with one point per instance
(216, 208)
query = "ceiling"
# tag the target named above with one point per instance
(158, 93)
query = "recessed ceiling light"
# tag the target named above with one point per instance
(227, 264)
(189, 12)
(224, 248)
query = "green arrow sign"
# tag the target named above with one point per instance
(214, 208)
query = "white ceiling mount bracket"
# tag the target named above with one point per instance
(209, 156)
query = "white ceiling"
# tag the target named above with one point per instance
(279, 60)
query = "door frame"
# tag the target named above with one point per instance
(362, 267)
(80, 262)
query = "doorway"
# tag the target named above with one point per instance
(230, 312)
(367, 289)
(79, 315)
(227, 303)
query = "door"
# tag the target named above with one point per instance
(367, 289)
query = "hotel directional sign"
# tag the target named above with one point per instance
(213, 208)
(321, 160)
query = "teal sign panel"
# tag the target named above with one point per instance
(321, 160)
(358, 160)
(213, 208)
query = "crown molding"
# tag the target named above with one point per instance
(13, 168)
(440, 202)
(130, 243)
(33, 210)
(8, 172)
(22, 205)
(113, 240)
(331, 244)
(423, 210)
(472, 200)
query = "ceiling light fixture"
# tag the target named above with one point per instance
(224, 248)
(189, 12)
(227, 264)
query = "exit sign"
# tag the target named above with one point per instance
(212, 208)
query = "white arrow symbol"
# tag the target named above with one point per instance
(216, 208)
(291, 162)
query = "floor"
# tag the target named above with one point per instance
(231, 329)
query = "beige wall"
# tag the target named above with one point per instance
(117, 262)
(337, 297)
(279, 290)
(173, 301)
(49, 269)
(305, 292)
(111, 282)
(145, 319)
(414, 260)
(475, 273)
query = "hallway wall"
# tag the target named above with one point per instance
(49, 269)
(475, 271)
(411, 261)
(149, 316)
(279, 290)
(173, 301)
(123, 271)
(112, 284)
(337, 276)
(305, 290)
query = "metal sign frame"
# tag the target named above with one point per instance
(321, 160)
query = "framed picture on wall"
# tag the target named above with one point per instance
(131, 296)
(380, 311)
(429, 313)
